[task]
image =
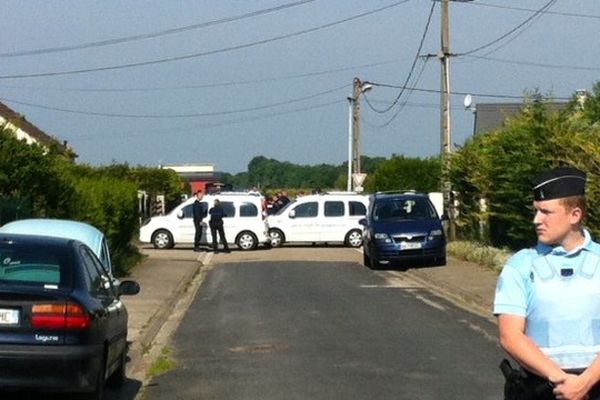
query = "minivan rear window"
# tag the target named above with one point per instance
(248, 210)
(357, 208)
(37, 266)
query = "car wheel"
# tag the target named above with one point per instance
(117, 379)
(374, 263)
(353, 238)
(277, 238)
(162, 239)
(439, 261)
(246, 241)
(98, 392)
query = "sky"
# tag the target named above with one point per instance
(223, 81)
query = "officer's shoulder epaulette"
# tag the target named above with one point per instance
(522, 258)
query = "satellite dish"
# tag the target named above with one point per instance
(468, 101)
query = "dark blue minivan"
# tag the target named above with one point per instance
(402, 226)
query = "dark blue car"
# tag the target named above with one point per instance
(63, 327)
(402, 227)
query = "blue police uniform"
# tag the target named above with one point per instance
(558, 293)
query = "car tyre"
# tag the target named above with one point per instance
(246, 240)
(98, 392)
(374, 263)
(117, 379)
(162, 239)
(277, 237)
(354, 238)
(440, 261)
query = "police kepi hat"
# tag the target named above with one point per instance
(558, 183)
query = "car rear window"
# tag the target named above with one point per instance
(37, 266)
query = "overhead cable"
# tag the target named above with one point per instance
(151, 35)
(412, 68)
(485, 95)
(567, 14)
(535, 64)
(205, 85)
(205, 53)
(167, 116)
(530, 19)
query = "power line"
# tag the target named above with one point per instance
(410, 91)
(533, 10)
(534, 64)
(150, 35)
(169, 116)
(412, 68)
(457, 93)
(530, 19)
(230, 122)
(206, 85)
(205, 53)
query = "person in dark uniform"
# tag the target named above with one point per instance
(199, 213)
(548, 298)
(216, 226)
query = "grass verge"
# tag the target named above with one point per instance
(163, 364)
(489, 256)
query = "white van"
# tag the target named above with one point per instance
(320, 218)
(244, 225)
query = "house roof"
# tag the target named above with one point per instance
(490, 116)
(9, 115)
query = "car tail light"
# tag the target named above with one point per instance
(59, 316)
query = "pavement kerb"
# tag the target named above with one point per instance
(454, 294)
(142, 352)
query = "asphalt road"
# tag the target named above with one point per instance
(308, 323)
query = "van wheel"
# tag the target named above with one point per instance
(246, 241)
(162, 239)
(277, 238)
(366, 259)
(353, 238)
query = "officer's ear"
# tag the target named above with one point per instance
(575, 215)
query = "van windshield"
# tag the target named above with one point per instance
(404, 209)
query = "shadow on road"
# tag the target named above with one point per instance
(127, 392)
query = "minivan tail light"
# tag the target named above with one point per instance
(59, 316)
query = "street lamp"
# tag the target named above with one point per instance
(354, 129)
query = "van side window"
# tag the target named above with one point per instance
(334, 209)
(307, 210)
(188, 211)
(229, 208)
(357, 208)
(248, 210)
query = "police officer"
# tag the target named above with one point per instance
(548, 297)
(199, 210)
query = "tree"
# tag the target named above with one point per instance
(402, 173)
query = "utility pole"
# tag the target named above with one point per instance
(354, 167)
(356, 91)
(445, 128)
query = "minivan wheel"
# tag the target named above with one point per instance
(374, 263)
(246, 241)
(353, 238)
(277, 238)
(162, 239)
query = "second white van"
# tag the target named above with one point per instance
(320, 218)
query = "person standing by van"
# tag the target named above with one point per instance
(216, 225)
(199, 211)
